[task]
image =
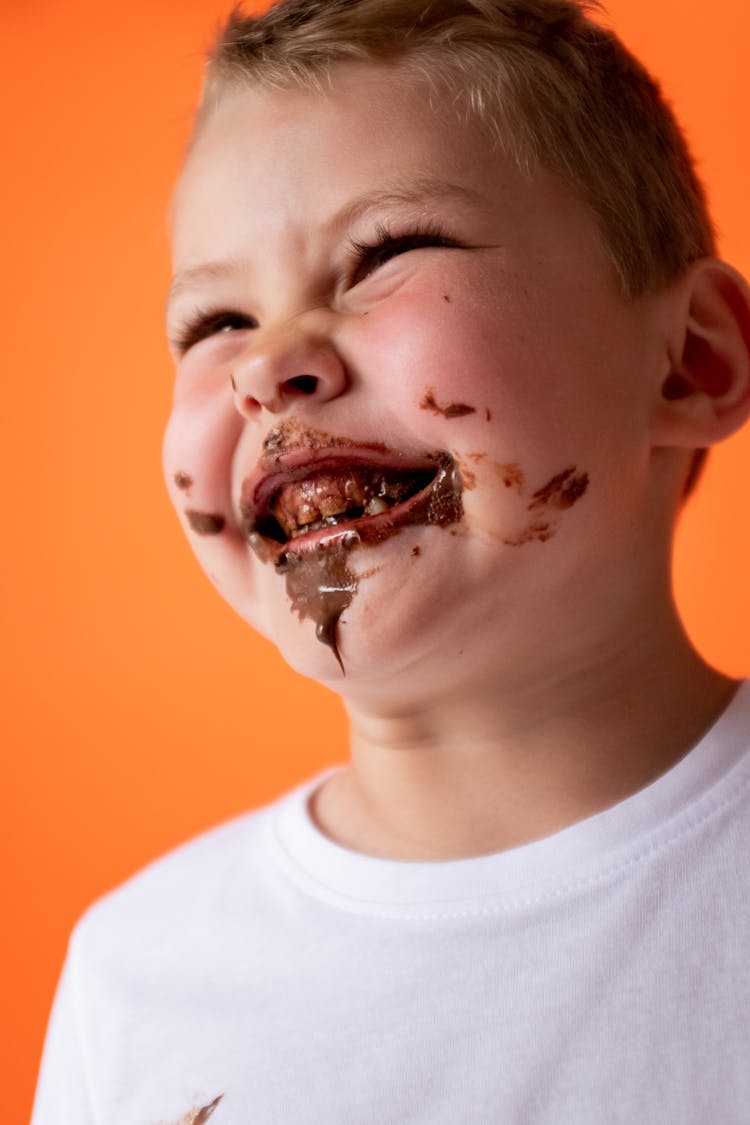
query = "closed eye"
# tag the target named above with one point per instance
(370, 256)
(211, 322)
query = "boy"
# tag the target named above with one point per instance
(449, 332)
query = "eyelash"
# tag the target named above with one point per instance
(364, 259)
(209, 322)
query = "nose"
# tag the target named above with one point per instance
(287, 362)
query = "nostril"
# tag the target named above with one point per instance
(303, 384)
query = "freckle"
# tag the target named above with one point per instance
(488, 413)
(183, 480)
(205, 523)
(416, 552)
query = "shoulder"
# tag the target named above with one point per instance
(167, 901)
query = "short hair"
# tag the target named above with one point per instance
(555, 86)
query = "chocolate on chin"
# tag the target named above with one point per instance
(320, 584)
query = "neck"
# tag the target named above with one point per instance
(517, 757)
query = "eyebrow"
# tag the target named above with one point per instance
(422, 190)
(210, 271)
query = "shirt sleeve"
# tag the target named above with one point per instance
(63, 1092)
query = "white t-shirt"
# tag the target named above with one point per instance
(600, 975)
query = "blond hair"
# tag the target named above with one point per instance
(557, 88)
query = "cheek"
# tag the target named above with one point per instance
(199, 443)
(453, 362)
(198, 451)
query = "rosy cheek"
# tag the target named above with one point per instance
(199, 443)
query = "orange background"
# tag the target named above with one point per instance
(138, 710)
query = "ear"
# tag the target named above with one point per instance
(705, 391)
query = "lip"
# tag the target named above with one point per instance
(273, 472)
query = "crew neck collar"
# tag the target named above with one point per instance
(713, 774)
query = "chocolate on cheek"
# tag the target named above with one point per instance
(512, 476)
(183, 481)
(204, 523)
(449, 410)
(560, 492)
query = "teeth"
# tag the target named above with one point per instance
(330, 498)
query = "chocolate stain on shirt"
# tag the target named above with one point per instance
(201, 1115)
(205, 523)
(206, 1112)
(450, 410)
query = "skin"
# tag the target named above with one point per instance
(500, 685)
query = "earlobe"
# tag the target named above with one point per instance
(705, 395)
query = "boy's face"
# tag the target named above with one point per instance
(482, 330)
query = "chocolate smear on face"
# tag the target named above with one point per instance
(319, 582)
(450, 410)
(468, 476)
(205, 523)
(562, 491)
(321, 586)
(291, 435)
(512, 475)
(538, 531)
(183, 481)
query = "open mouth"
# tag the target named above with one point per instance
(299, 508)
(328, 499)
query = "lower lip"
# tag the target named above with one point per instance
(439, 504)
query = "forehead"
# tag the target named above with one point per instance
(300, 163)
(297, 148)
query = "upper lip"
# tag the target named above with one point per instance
(273, 472)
